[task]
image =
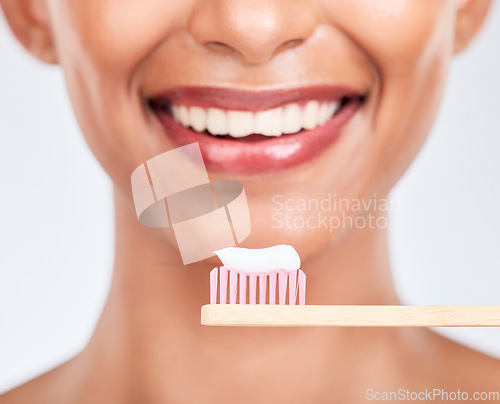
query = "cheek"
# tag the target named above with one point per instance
(394, 33)
(101, 43)
(118, 34)
(411, 43)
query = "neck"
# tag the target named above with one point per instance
(151, 320)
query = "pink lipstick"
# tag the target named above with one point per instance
(245, 132)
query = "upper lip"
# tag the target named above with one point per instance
(250, 100)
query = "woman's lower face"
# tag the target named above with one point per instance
(299, 100)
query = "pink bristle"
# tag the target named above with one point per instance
(282, 286)
(279, 281)
(233, 283)
(252, 279)
(302, 287)
(272, 287)
(223, 285)
(213, 285)
(243, 288)
(262, 288)
(292, 287)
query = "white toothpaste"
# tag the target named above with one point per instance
(260, 260)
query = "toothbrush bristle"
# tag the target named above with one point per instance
(292, 291)
(252, 293)
(213, 286)
(282, 286)
(279, 281)
(233, 283)
(272, 288)
(262, 288)
(223, 285)
(302, 287)
(243, 288)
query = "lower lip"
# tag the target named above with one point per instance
(245, 157)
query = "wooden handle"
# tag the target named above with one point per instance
(351, 316)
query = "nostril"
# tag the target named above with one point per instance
(221, 47)
(292, 43)
(215, 43)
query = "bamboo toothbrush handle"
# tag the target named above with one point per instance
(356, 316)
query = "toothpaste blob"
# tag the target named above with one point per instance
(259, 260)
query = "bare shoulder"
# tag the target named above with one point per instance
(48, 388)
(466, 368)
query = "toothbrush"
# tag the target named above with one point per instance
(273, 302)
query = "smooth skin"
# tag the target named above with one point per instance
(148, 346)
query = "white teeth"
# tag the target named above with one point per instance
(291, 118)
(184, 115)
(333, 108)
(240, 123)
(310, 115)
(323, 114)
(198, 118)
(269, 123)
(216, 121)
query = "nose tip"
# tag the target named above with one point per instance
(252, 30)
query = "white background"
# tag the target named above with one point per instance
(55, 265)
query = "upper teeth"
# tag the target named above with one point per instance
(290, 118)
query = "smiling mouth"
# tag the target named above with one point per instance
(244, 125)
(250, 132)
